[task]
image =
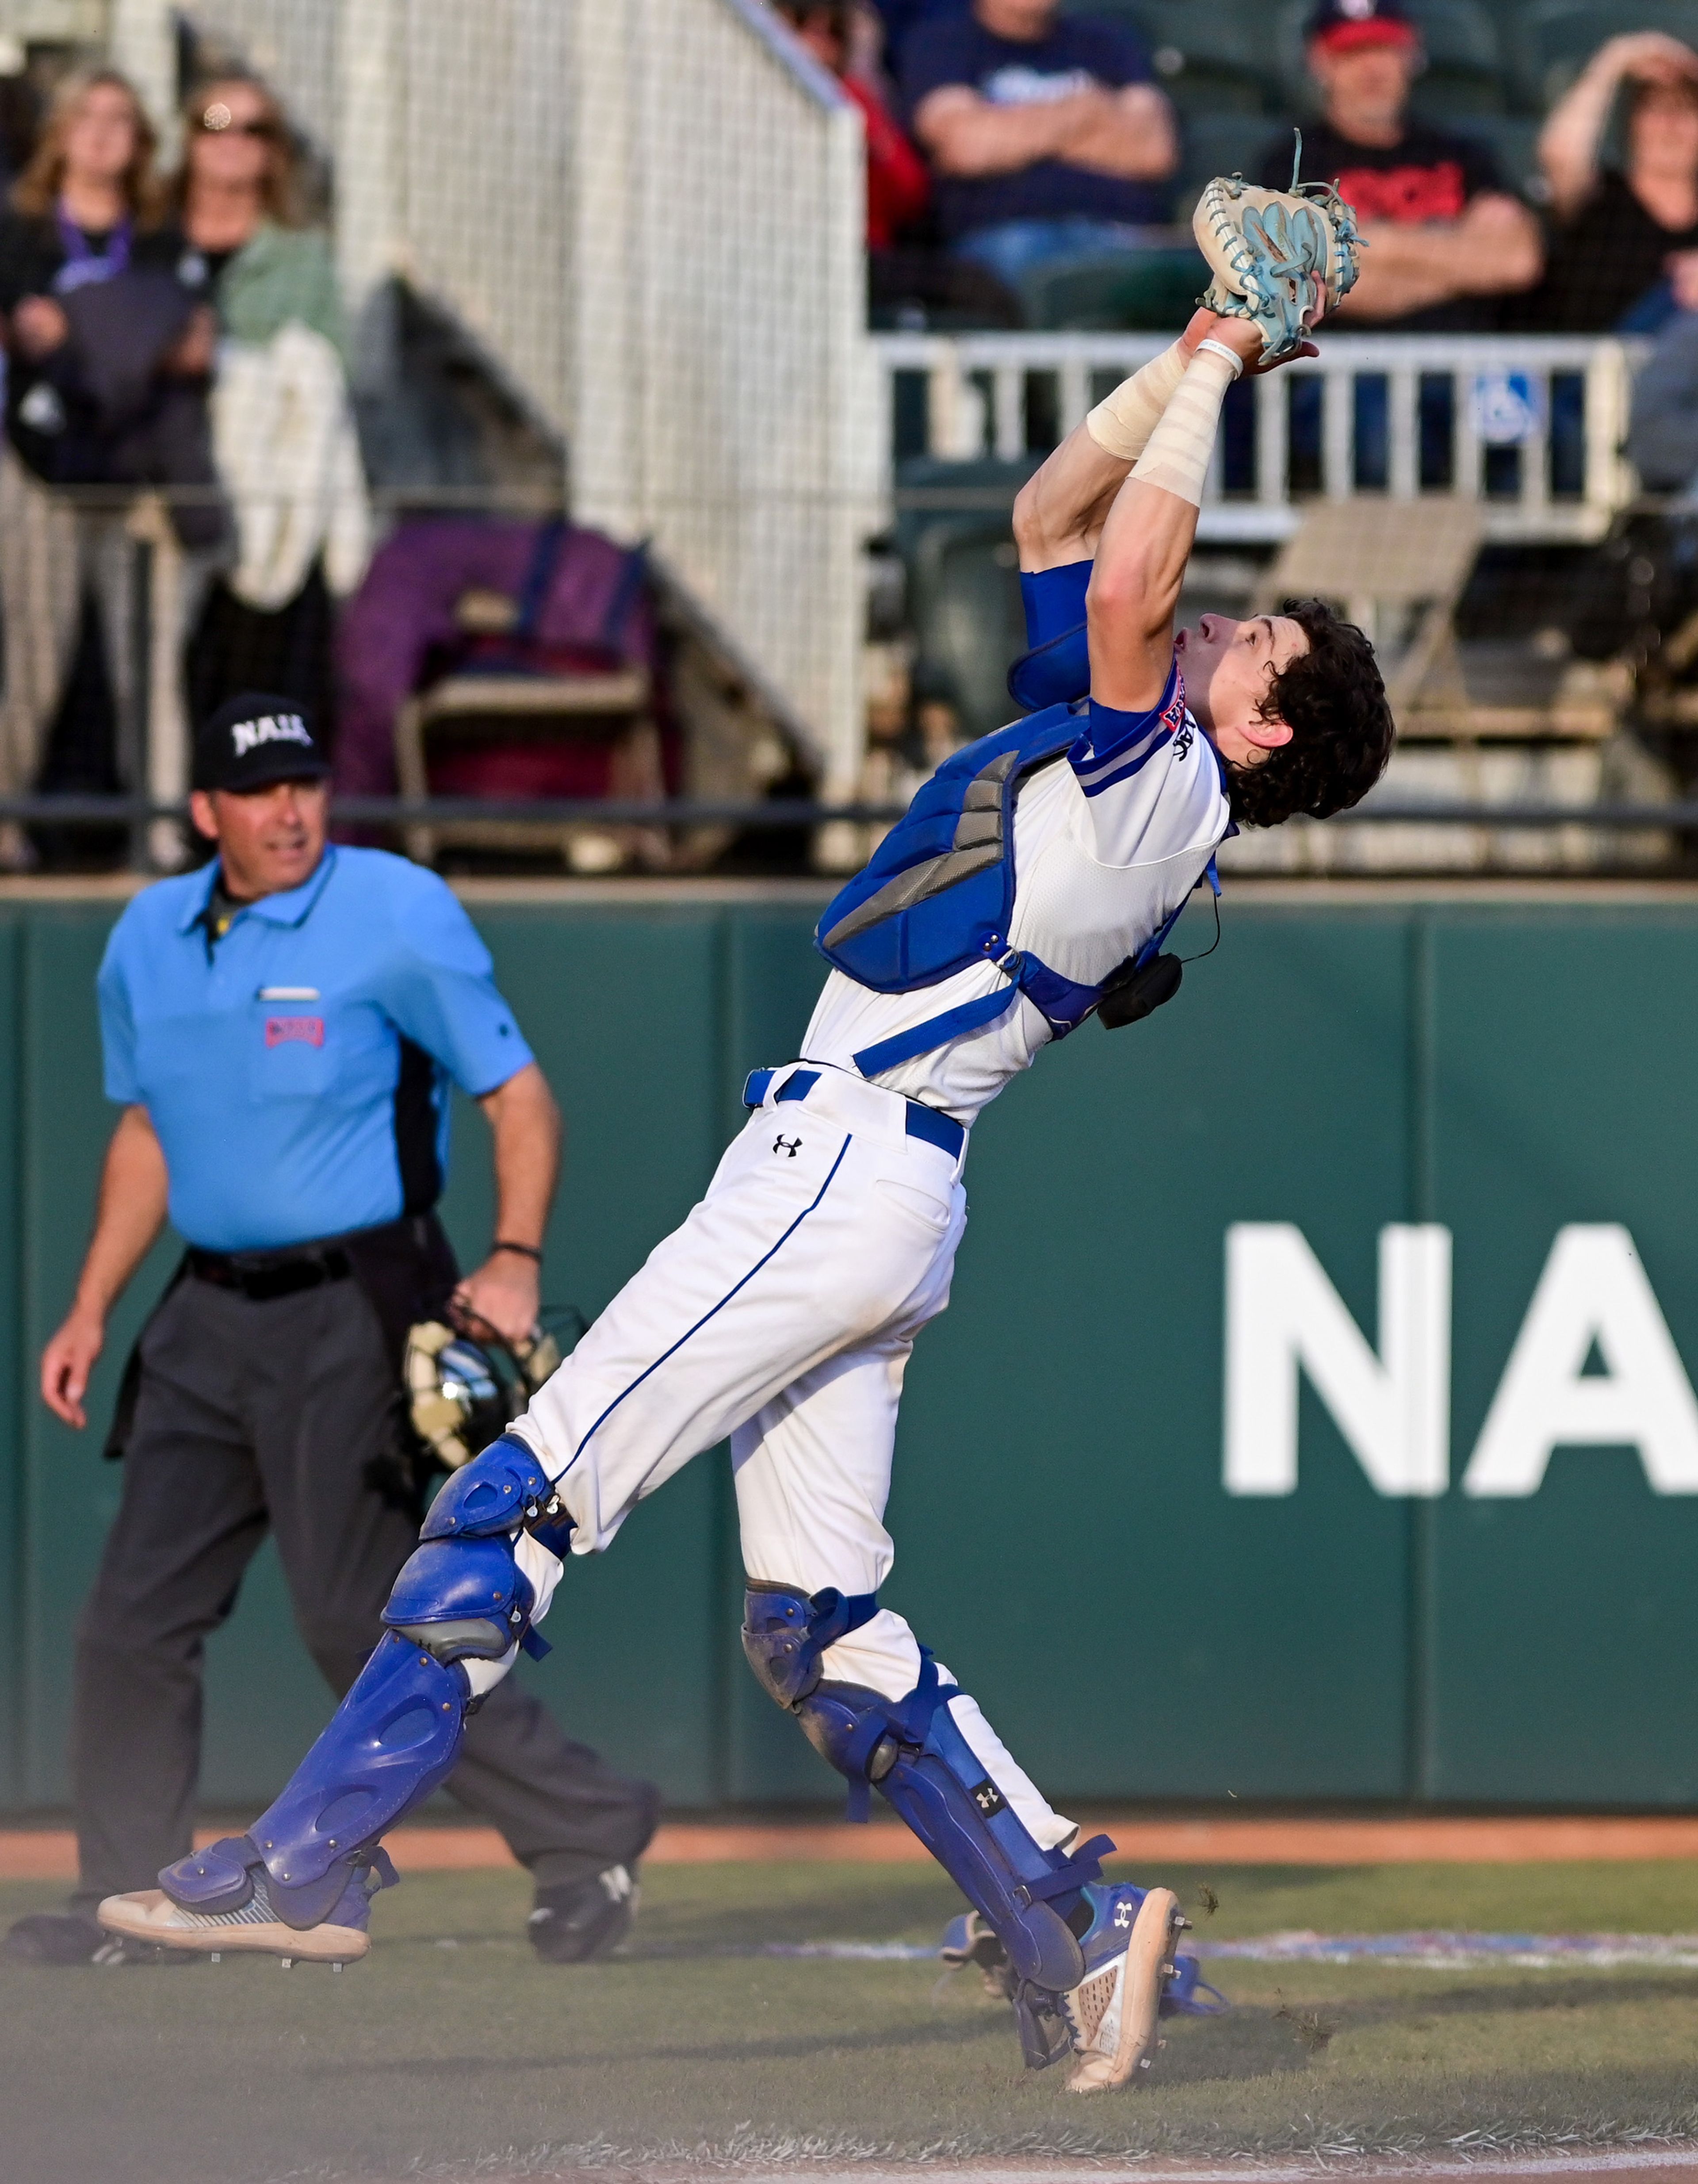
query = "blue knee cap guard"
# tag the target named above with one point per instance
(912, 1752)
(501, 1490)
(462, 1599)
(784, 1633)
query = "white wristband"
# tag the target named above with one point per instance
(1219, 349)
(1183, 445)
(1122, 422)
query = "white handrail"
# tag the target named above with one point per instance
(977, 405)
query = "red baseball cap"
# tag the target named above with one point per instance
(1343, 25)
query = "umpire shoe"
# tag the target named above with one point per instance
(66, 1938)
(581, 1920)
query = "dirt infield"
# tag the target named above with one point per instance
(50, 1854)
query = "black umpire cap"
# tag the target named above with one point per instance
(255, 738)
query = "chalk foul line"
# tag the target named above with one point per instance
(1440, 1950)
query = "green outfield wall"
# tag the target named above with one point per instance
(1313, 1417)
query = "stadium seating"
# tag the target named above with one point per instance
(1148, 291)
(1233, 142)
(1234, 70)
(1207, 57)
(1465, 72)
(1514, 137)
(964, 586)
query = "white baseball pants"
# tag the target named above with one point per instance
(781, 1314)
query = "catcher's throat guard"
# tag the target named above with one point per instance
(1281, 258)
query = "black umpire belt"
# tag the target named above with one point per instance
(260, 1276)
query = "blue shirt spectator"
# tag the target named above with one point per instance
(1046, 134)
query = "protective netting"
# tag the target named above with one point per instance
(647, 218)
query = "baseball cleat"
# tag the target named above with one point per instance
(251, 1924)
(148, 1915)
(1112, 2014)
(1134, 1977)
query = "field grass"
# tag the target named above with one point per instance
(451, 2050)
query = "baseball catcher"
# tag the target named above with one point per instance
(1030, 887)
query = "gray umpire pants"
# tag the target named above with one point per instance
(255, 1416)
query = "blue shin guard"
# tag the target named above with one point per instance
(396, 1735)
(1039, 1902)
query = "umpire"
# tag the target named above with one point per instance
(279, 1033)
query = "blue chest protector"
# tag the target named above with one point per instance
(937, 895)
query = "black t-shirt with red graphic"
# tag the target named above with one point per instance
(1429, 174)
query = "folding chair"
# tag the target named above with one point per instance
(1398, 568)
(463, 711)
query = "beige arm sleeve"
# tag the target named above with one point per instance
(1122, 422)
(1179, 450)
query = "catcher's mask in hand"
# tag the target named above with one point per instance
(465, 1384)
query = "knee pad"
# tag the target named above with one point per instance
(464, 1599)
(785, 1631)
(911, 1751)
(501, 1490)
(391, 1742)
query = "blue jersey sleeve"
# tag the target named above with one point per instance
(1054, 600)
(117, 1025)
(440, 991)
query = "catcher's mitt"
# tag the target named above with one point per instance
(1281, 257)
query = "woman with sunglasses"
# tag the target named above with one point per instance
(238, 198)
(281, 406)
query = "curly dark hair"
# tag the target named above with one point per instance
(1333, 700)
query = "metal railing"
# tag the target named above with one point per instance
(1531, 427)
(793, 814)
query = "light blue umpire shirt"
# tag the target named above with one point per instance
(296, 1071)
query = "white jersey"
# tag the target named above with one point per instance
(1108, 843)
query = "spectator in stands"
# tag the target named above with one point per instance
(1624, 241)
(898, 185)
(1446, 235)
(86, 212)
(284, 431)
(1663, 438)
(1046, 136)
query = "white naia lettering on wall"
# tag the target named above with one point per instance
(1392, 1405)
